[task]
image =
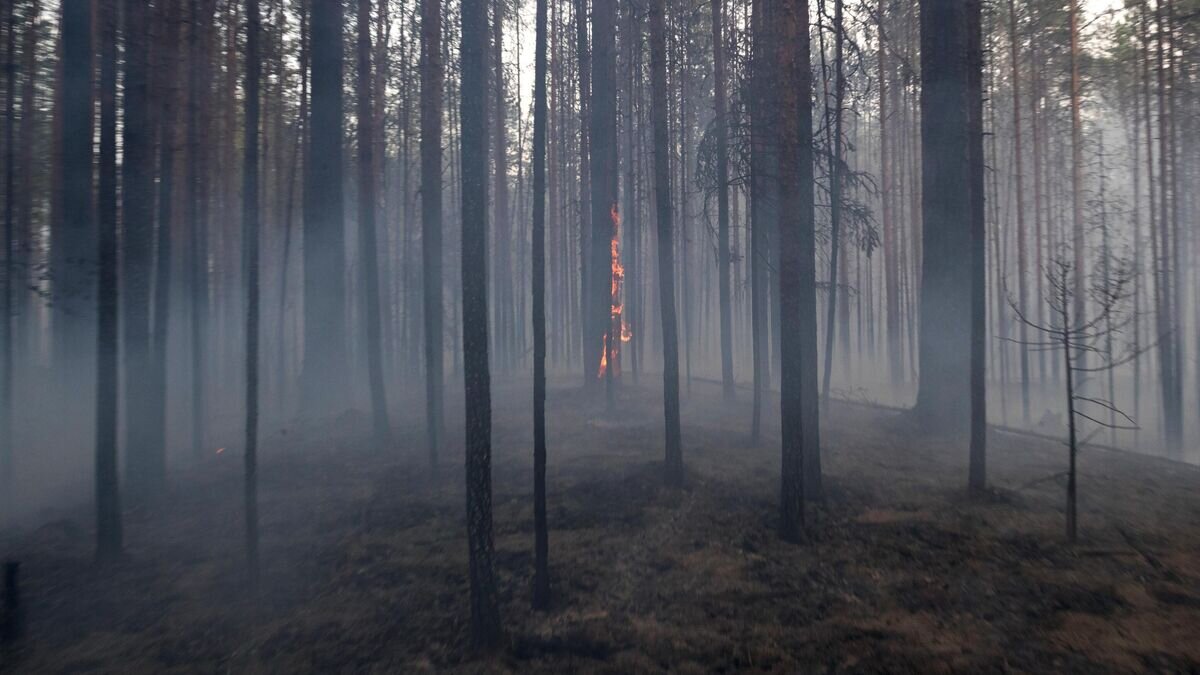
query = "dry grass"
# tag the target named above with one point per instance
(365, 551)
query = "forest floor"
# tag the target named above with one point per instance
(364, 556)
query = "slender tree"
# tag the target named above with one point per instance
(366, 230)
(603, 143)
(541, 570)
(673, 462)
(6, 302)
(145, 462)
(485, 609)
(250, 245)
(721, 127)
(835, 190)
(108, 501)
(431, 218)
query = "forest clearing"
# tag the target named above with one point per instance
(364, 558)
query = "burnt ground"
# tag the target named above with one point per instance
(364, 557)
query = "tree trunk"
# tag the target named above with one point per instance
(108, 500)
(721, 128)
(797, 267)
(946, 183)
(485, 610)
(6, 308)
(145, 463)
(673, 461)
(325, 357)
(250, 245)
(366, 230)
(603, 131)
(977, 472)
(431, 219)
(835, 194)
(541, 568)
(74, 243)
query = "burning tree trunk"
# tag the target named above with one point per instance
(485, 610)
(666, 246)
(431, 218)
(603, 131)
(835, 193)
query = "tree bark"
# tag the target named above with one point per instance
(485, 610)
(797, 270)
(673, 460)
(250, 246)
(324, 236)
(431, 220)
(541, 571)
(108, 500)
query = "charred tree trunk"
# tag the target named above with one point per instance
(835, 193)
(603, 131)
(156, 409)
(108, 500)
(977, 472)
(673, 461)
(74, 239)
(721, 127)
(366, 230)
(6, 317)
(797, 266)
(946, 182)
(541, 567)
(324, 237)
(145, 463)
(431, 220)
(250, 245)
(485, 609)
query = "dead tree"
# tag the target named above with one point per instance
(1075, 335)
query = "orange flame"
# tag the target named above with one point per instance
(617, 323)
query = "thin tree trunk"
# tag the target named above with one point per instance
(366, 229)
(673, 460)
(108, 500)
(431, 219)
(835, 194)
(721, 127)
(250, 246)
(541, 567)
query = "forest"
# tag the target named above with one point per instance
(623, 336)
